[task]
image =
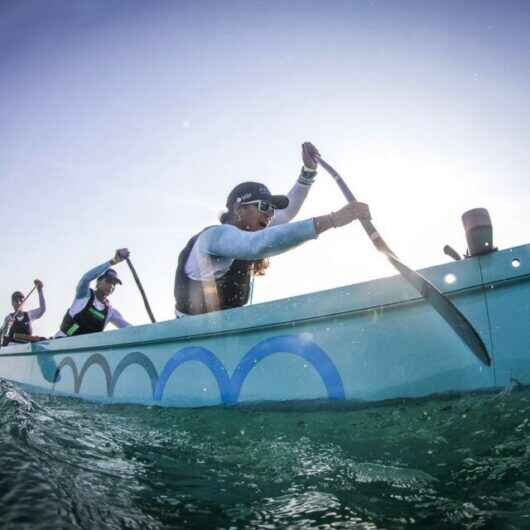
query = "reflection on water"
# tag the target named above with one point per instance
(451, 463)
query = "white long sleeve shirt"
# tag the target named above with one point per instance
(218, 246)
(82, 296)
(33, 314)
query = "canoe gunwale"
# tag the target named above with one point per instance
(40, 348)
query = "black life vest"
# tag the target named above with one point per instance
(194, 297)
(89, 320)
(21, 325)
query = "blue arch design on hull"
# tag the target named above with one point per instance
(135, 358)
(67, 361)
(96, 358)
(229, 387)
(202, 355)
(307, 350)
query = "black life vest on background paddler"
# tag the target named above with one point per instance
(89, 320)
(21, 325)
(194, 297)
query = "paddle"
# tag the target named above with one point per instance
(445, 308)
(6, 331)
(28, 338)
(141, 289)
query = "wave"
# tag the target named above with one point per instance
(460, 462)
(57, 471)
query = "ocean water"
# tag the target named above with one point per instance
(460, 462)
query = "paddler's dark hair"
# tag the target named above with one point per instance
(227, 216)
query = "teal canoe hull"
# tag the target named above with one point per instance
(370, 341)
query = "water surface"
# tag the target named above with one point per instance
(460, 462)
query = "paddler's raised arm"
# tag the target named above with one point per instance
(83, 287)
(35, 314)
(300, 190)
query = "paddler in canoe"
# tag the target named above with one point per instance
(216, 267)
(17, 326)
(91, 311)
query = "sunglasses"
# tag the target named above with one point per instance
(262, 206)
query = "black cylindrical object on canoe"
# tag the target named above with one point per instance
(479, 232)
(452, 253)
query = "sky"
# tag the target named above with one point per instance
(127, 123)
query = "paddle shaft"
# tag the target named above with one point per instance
(445, 308)
(369, 228)
(28, 338)
(373, 234)
(141, 289)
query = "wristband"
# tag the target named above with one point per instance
(332, 218)
(307, 176)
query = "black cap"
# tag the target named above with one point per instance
(254, 191)
(111, 276)
(16, 294)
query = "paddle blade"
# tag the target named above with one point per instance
(447, 310)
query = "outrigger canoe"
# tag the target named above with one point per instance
(369, 341)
